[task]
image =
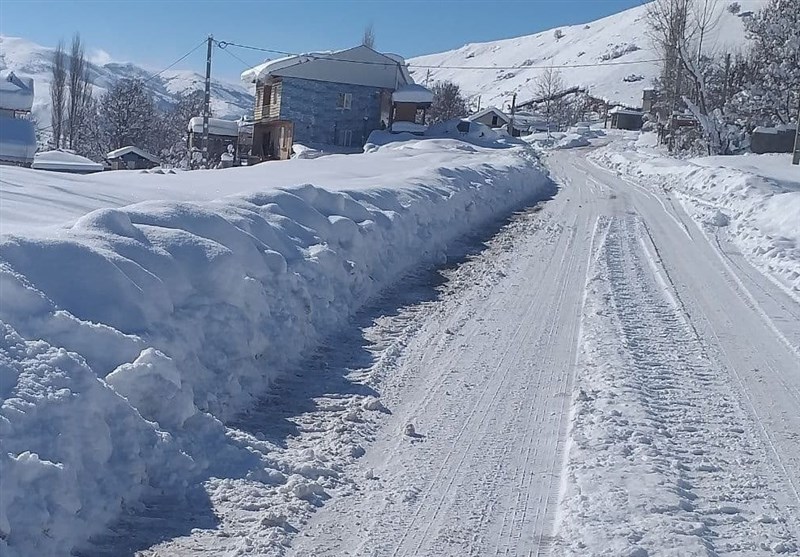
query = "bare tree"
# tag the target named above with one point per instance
(667, 23)
(368, 38)
(80, 90)
(549, 86)
(448, 102)
(58, 93)
(704, 17)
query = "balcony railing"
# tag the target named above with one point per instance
(268, 111)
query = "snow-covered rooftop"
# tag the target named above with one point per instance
(131, 149)
(359, 65)
(412, 93)
(489, 110)
(623, 110)
(16, 92)
(216, 126)
(65, 162)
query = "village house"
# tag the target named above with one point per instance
(17, 133)
(131, 158)
(491, 116)
(523, 122)
(333, 98)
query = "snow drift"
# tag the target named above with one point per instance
(755, 199)
(130, 334)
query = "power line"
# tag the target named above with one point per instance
(319, 56)
(176, 62)
(247, 65)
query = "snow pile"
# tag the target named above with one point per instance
(620, 41)
(577, 136)
(304, 152)
(473, 133)
(71, 449)
(130, 333)
(754, 198)
(570, 141)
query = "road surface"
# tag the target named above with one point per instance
(629, 384)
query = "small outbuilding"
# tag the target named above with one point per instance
(131, 158)
(409, 105)
(779, 139)
(221, 134)
(626, 119)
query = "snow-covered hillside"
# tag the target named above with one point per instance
(622, 37)
(229, 99)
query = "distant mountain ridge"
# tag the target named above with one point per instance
(621, 41)
(228, 100)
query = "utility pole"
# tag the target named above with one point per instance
(511, 121)
(427, 77)
(479, 103)
(207, 105)
(796, 157)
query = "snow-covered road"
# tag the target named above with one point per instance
(681, 363)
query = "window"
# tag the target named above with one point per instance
(345, 101)
(494, 121)
(345, 138)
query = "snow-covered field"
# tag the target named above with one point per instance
(142, 310)
(620, 38)
(751, 200)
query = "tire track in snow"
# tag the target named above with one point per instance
(653, 408)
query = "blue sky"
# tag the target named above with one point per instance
(156, 33)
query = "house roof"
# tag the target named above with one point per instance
(135, 150)
(359, 65)
(412, 93)
(490, 110)
(16, 92)
(621, 110)
(216, 126)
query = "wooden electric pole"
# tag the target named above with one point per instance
(796, 157)
(511, 121)
(207, 105)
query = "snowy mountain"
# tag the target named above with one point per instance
(228, 99)
(622, 37)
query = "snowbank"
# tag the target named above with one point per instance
(471, 133)
(131, 332)
(754, 198)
